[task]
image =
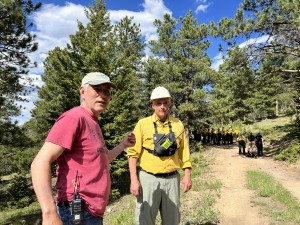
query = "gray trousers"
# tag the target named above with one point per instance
(158, 194)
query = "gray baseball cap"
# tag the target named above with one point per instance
(95, 78)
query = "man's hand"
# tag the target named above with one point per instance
(186, 182)
(52, 219)
(135, 187)
(129, 140)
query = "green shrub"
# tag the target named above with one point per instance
(196, 146)
(114, 194)
(16, 194)
(290, 154)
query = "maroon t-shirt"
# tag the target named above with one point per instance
(79, 133)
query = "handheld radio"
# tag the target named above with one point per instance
(77, 205)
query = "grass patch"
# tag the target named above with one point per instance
(274, 200)
(197, 204)
(269, 124)
(121, 211)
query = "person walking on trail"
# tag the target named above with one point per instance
(241, 140)
(161, 149)
(77, 144)
(259, 144)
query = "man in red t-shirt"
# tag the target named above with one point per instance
(76, 143)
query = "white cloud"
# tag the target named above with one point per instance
(153, 9)
(54, 21)
(201, 8)
(259, 40)
(26, 107)
(156, 8)
(35, 80)
(217, 61)
(54, 24)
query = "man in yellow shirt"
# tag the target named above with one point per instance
(161, 149)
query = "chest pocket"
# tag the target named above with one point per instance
(164, 144)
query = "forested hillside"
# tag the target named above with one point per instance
(256, 81)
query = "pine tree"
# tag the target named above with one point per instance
(184, 66)
(234, 87)
(275, 22)
(16, 42)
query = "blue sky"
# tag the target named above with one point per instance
(57, 19)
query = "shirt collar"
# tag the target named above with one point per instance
(155, 119)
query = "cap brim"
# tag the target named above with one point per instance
(99, 82)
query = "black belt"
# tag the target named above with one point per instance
(162, 175)
(66, 204)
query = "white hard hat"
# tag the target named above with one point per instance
(160, 92)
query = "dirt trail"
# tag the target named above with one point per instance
(230, 168)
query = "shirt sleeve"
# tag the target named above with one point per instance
(63, 132)
(184, 152)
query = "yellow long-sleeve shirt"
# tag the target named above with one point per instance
(144, 131)
(241, 138)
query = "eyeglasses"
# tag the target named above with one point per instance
(102, 91)
(159, 103)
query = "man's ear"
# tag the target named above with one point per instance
(81, 91)
(151, 105)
